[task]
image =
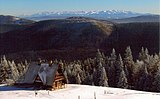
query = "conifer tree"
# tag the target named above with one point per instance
(129, 65)
(128, 55)
(66, 76)
(5, 68)
(95, 77)
(20, 69)
(122, 81)
(112, 70)
(14, 72)
(83, 75)
(143, 55)
(2, 73)
(156, 82)
(89, 79)
(78, 79)
(103, 78)
(99, 57)
(144, 82)
(120, 74)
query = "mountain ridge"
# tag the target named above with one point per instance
(10, 23)
(78, 38)
(8, 19)
(106, 14)
(143, 18)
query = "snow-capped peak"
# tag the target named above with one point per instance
(93, 14)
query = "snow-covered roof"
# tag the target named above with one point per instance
(45, 72)
(31, 73)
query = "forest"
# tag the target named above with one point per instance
(115, 70)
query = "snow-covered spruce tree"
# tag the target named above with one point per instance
(14, 72)
(97, 73)
(2, 74)
(156, 82)
(88, 80)
(129, 65)
(78, 79)
(154, 63)
(122, 83)
(83, 76)
(20, 69)
(120, 74)
(61, 65)
(111, 69)
(95, 81)
(144, 82)
(87, 66)
(128, 56)
(73, 69)
(143, 55)
(99, 56)
(97, 70)
(103, 78)
(72, 73)
(4, 70)
(66, 76)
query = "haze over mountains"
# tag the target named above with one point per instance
(108, 14)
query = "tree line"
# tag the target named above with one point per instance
(113, 71)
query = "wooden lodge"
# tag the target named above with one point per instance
(45, 76)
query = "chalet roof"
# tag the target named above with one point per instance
(31, 73)
(45, 72)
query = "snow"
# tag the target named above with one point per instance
(72, 91)
(16, 18)
(45, 13)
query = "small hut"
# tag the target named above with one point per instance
(45, 76)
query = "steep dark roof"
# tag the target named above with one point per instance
(31, 73)
(46, 73)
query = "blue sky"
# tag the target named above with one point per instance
(19, 7)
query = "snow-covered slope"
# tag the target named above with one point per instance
(73, 91)
(108, 14)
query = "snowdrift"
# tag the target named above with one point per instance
(74, 91)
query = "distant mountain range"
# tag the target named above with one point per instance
(108, 14)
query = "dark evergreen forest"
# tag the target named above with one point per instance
(142, 73)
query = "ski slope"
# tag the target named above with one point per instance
(73, 91)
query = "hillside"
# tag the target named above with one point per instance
(73, 91)
(78, 38)
(14, 20)
(142, 18)
(56, 34)
(144, 34)
(10, 27)
(10, 23)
